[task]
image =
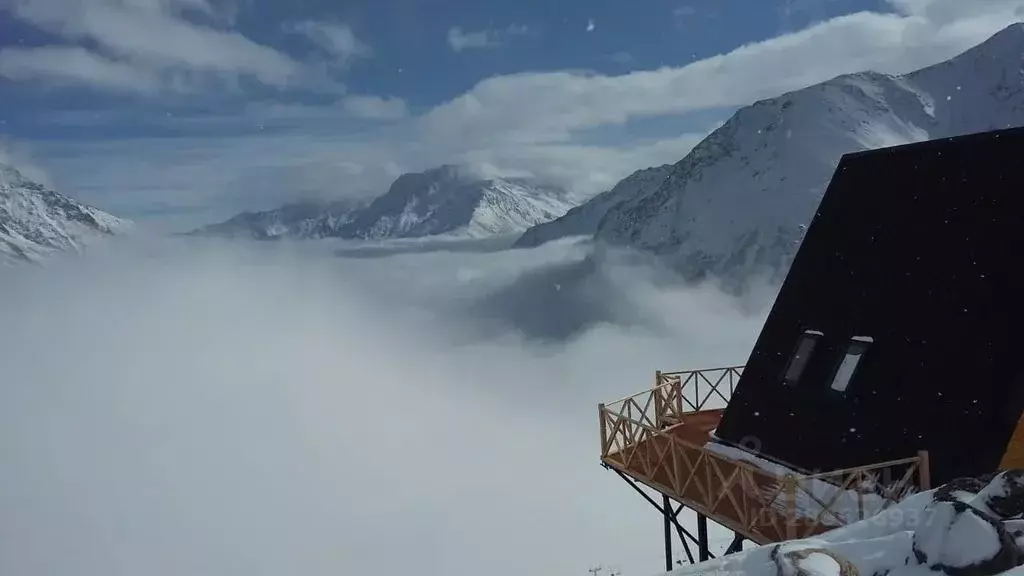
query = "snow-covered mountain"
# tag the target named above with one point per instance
(446, 200)
(36, 221)
(739, 200)
(969, 527)
(450, 200)
(306, 220)
(585, 218)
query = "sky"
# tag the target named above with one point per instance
(175, 407)
(182, 112)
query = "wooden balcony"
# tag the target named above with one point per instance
(660, 438)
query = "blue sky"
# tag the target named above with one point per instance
(413, 57)
(429, 52)
(189, 110)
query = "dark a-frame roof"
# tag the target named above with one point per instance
(914, 260)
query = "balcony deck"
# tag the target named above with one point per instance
(660, 437)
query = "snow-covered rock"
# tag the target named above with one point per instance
(446, 200)
(969, 527)
(305, 220)
(452, 201)
(36, 221)
(738, 202)
(585, 218)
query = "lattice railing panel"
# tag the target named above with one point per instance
(666, 403)
(703, 389)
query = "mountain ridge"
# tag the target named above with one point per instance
(312, 219)
(585, 218)
(737, 204)
(447, 200)
(36, 221)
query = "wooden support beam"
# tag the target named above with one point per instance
(924, 471)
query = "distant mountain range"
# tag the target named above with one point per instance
(36, 221)
(738, 202)
(446, 200)
(735, 205)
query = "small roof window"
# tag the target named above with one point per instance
(801, 356)
(856, 348)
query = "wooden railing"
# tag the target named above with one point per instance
(697, 389)
(763, 501)
(673, 395)
(841, 497)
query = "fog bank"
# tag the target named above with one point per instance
(207, 409)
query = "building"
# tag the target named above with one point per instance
(900, 325)
(887, 364)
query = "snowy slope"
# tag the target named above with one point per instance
(584, 219)
(449, 200)
(969, 527)
(738, 201)
(36, 221)
(306, 220)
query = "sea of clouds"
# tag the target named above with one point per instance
(207, 408)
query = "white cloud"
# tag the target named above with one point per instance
(16, 154)
(459, 40)
(684, 11)
(275, 412)
(73, 65)
(148, 44)
(519, 30)
(947, 11)
(173, 185)
(533, 107)
(375, 107)
(338, 40)
(176, 184)
(622, 57)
